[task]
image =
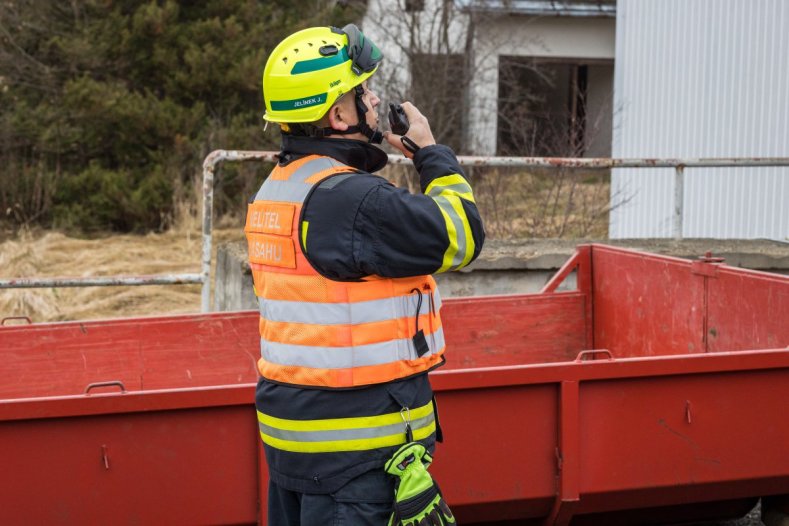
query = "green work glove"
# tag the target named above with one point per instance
(418, 501)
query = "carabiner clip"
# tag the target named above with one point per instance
(405, 414)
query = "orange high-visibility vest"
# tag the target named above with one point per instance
(317, 332)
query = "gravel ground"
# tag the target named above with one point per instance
(754, 518)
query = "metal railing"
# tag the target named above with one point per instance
(217, 157)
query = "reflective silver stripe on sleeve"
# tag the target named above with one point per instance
(460, 230)
(345, 434)
(344, 313)
(317, 357)
(457, 189)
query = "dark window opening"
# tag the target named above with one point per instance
(554, 108)
(413, 6)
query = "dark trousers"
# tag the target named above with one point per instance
(364, 501)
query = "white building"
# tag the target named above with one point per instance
(692, 78)
(565, 49)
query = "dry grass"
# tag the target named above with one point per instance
(544, 204)
(514, 204)
(41, 254)
(537, 203)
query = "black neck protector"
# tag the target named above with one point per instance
(359, 154)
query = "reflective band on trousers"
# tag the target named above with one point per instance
(345, 434)
(344, 313)
(345, 357)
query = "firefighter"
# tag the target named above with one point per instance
(350, 316)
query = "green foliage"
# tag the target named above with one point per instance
(107, 107)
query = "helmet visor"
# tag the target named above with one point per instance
(364, 54)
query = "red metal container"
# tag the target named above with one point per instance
(654, 392)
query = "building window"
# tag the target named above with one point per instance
(414, 6)
(554, 108)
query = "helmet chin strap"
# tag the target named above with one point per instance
(373, 136)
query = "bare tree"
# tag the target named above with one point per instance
(438, 55)
(430, 57)
(544, 111)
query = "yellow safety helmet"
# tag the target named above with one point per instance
(309, 70)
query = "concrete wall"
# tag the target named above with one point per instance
(513, 267)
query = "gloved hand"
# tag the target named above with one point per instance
(418, 501)
(418, 135)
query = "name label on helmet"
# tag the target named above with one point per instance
(306, 102)
(270, 218)
(285, 105)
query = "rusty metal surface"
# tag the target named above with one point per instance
(210, 164)
(16, 318)
(605, 163)
(98, 281)
(679, 201)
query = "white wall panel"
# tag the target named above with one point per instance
(702, 78)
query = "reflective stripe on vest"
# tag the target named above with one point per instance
(345, 434)
(337, 313)
(331, 357)
(295, 188)
(316, 332)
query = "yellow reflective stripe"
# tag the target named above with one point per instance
(366, 424)
(469, 248)
(447, 191)
(332, 424)
(452, 249)
(454, 184)
(304, 226)
(362, 444)
(455, 218)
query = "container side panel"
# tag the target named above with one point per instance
(687, 437)
(747, 310)
(181, 353)
(173, 467)
(498, 458)
(646, 305)
(64, 359)
(193, 351)
(514, 330)
(187, 351)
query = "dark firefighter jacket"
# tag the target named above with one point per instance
(361, 225)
